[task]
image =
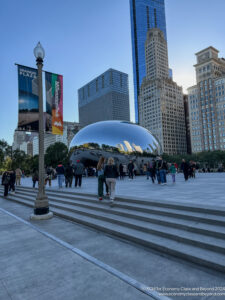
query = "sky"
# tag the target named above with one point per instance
(84, 38)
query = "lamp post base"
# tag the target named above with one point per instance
(46, 216)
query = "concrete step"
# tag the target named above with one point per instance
(156, 203)
(191, 253)
(188, 225)
(196, 239)
(207, 218)
(136, 232)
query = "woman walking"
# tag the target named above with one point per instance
(111, 174)
(101, 177)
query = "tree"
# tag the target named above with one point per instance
(5, 148)
(56, 153)
(7, 165)
(18, 159)
(1, 157)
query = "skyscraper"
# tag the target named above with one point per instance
(207, 102)
(104, 98)
(145, 14)
(160, 105)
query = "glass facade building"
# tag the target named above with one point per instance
(104, 98)
(145, 14)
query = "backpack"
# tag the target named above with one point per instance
(6, 179)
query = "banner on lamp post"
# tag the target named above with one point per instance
(28, 99)
(54, 102)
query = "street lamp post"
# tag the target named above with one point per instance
(41, 206)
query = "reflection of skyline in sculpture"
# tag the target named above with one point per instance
(120, 139)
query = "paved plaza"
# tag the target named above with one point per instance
(40, 262)
(206, 189)
(34, 266)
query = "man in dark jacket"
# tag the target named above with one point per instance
(78, 172)
(5, 182)
(130, 168)
(151, 170)
(69, 175)
(12, 181)
(60, 174)
(185, 168)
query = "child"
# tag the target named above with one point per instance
(173, 172)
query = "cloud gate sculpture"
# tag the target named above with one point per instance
(122, 140)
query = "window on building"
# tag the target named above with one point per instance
(121, 80)
(111, 77)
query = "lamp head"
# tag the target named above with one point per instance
(39, 51)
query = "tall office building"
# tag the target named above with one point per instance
(50, 139)
(161, 104)
(104, 98)
(187, 124)
(18, 138)
(207, 102)
(145, 14)
(69, 130)
(72, 128)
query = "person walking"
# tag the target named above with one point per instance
(5, 182)
(35, 177)
(18, 176)
(49, 174)
(121, 171)
(69, 175)
(60, 174)
(173, 171)
(162, 171)
(101, 178)
(157, 170)
(12, 181)
(124, 170)
(111, 174)
(185, 168)
(130, 168)
(151, 170)
(78, 172)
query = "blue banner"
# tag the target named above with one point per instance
(28, 99)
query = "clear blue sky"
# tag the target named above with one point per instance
(83, 38)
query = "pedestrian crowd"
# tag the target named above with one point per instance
(107, 172)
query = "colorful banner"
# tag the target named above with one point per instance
(54, 102)
(28, 99)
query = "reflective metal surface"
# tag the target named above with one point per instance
(120, 139)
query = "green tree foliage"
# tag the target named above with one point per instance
(1, 157)
(5, 148)
(7, 164)
(56, 153)
(210, 159)
(18, 159)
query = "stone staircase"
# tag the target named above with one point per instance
(193, 233)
